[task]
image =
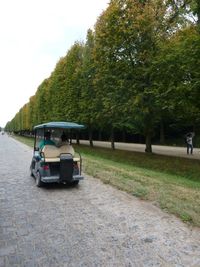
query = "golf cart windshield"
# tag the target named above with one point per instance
(55, 131)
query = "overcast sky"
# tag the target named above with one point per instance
(34, 34)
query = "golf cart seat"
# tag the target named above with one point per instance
(52, 153)
(66, 149)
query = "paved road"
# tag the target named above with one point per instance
(91, 225)
(161, 150)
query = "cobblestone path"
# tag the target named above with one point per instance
(89, 225)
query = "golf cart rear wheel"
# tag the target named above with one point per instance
(39, 183)
(75, 182)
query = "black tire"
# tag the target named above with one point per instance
(31, 172)
(38, 181)
(75, 182)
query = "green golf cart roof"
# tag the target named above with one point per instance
(60, 124)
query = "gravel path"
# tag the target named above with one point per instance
(90, 225)
(174, 151)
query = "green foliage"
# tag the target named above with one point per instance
(136, 70)
(41, 105)
(88, 98)
(72, 92)
(127, 39)
(140, 192)
(177, 64)
(56, 92)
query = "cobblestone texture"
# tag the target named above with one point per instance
(89, 225)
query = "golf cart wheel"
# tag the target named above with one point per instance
(39, 183)
(31, 171)
(75, 182)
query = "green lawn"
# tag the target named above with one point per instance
(171, 183)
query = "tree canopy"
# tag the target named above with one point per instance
(136, 71)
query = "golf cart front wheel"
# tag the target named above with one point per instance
(31, 172)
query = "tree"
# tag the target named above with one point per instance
(57, 92)
(32, 113)
(127, 39)
(177, 65)
(88, 109)
(42, 107)
(112, 62)
(72, 85)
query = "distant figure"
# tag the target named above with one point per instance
(46, 141)
(63, 140)
(189, 142)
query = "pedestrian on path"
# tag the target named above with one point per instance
(189, 142)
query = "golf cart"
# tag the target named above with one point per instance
(54, 159)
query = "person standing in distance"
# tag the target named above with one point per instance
(189, 141)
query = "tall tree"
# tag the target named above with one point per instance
(127, 38)
(32, 118)
(177, 65)
(42, 107)
(72, 85)
(88, 109)
(57, 92)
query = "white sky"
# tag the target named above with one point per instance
(34, 34)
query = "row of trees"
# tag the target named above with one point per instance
(138, 69)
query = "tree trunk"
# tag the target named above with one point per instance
(196, 129)
(148, 148)
(124, 136)
(100, 135)
(77, 138)
(112, 139)
(162, 133)
(90, 137)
